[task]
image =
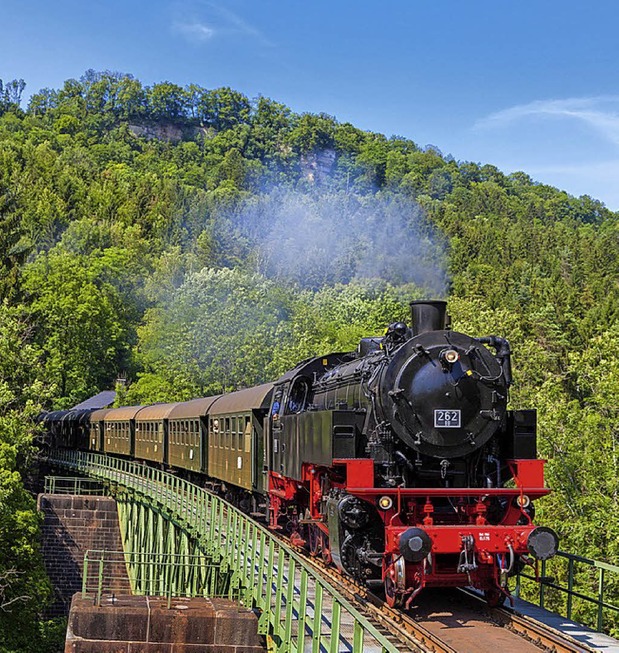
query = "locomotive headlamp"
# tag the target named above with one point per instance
(385, 503)
(523, 501)
(450, 356)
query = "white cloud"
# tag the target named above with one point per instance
(596, 179)
(239, 25)
(220, 22)
(601, 113)
(197, 32)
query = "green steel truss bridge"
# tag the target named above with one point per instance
(181, 540)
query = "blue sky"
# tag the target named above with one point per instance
(529, 85)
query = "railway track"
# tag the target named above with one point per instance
(447, 621)
(539, 633)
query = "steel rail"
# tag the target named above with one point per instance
(535, 631)
(398, 623)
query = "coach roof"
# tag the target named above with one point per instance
(244, 400)
(122, 414)
(192, 409)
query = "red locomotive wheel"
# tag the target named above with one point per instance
(394, 598)
(395, 581)
(326, 553)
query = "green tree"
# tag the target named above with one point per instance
(218, 332)
(84, 313)
(223, 108)
(167, 101)
(24, 587)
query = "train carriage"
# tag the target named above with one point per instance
(56, 428)
(120, 430)
(97, 429)
(151, 432)
(236, 437)
(187, 434)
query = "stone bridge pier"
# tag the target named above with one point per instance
(135, 583)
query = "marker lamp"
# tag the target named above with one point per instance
(384, 503)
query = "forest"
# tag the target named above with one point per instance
(189, 241)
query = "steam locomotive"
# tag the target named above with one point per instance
(398, 463)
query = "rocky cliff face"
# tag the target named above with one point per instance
(170, 132)
(163, 132)
(317, 166)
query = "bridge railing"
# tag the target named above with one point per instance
(151, 574)
(299, 608)
(72, 485)
(581, 583)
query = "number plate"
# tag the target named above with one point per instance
(446, 419)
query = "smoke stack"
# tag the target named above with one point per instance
(428, 316)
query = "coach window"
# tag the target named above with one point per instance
(215, 432)
(232, 433)
(247, 434)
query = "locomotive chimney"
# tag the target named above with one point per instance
(428, 316)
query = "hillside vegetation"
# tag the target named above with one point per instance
(195, 241)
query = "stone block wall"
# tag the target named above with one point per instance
(139, 624)
(72, 525)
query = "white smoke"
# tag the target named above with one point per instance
(319, 240)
